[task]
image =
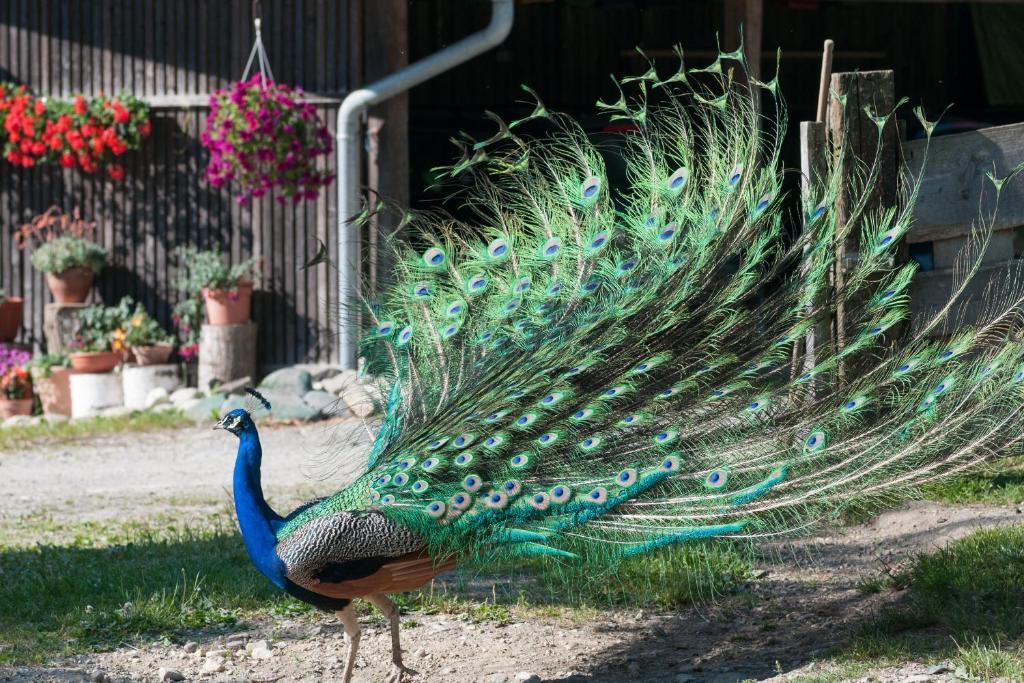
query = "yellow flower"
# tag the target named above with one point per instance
(116, 345)
(137, 320)
(118, 333)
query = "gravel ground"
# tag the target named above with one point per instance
(804, 602)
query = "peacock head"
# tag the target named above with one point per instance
(236, 422)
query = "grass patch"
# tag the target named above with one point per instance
(999, 483)
(971, 593)
(19, 438)
(95, 585)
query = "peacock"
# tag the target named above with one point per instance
(583, 370)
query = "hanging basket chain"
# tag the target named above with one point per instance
(259, 54)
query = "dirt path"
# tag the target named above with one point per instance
(804, 602)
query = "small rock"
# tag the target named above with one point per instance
(97, 676)
(179, 396)
(294, 381)
(235, 642)
(339, 382)
(219, 653)
(358, 400)
(55, 419)
(527, 677)
(116, 411)
(191, 646)
(212, 665)
(156, 395)
(261, 651)
(164, 408)
(943, 668)
(165, 674)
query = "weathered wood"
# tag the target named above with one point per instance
(61, 325)
(851, 125)
(226, 352)
(954, 188)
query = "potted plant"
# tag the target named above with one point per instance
(15, 382)
(226, 290)
(62, 251)
(99, 345)
(10, 316)
(148, 342)
(51, 379)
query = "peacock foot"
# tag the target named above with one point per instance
(400, 673)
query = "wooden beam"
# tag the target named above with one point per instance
(748, 14)
(954, 187)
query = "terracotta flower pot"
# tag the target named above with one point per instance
(10, 317)
(155, 354)
(229, 306)
(95, 361)
(54, 392)
(9, 407)
(70, 286)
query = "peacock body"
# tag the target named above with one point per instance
(590, 372)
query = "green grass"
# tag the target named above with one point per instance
(18, 438)
(93, 586)
(1000, 483)
(964, 603)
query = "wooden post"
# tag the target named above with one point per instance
(226, 352)
(876, 91)
(750, 15)
(61, 325)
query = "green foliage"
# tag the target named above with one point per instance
(140, 328)
(999, 484)
(68, 251)
(200, 270)
(101, 328)
(42, 365)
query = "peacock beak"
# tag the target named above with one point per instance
(219, 425)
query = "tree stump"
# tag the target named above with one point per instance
(226, 352)
(61, 325)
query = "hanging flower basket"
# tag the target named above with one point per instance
(263, 137)
(88, 134)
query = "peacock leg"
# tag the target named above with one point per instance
(390, 612)
(352, 635)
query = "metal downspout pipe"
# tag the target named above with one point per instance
(349, 143)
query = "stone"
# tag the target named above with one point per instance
(527, 677)
(185, 394)
(325, 403)
(156, 396)
(55, 418)
(287, 406)
(943, 668)
(339, 382)
(295, 381)
(165, 408)
(116, 411)
(235, 642)
(97, 676)
(165, 674)
(18, 421)
(205, 408)
(191, 646)
(319, 371)
(358, 400)
(212, 665)
(261, 650)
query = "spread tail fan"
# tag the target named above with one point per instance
(582, 369)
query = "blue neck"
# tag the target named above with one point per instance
(257, 521)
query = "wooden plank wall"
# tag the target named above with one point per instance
(159, 49)
(955, 194)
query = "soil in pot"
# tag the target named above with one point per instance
(156, 354)
(229, 306)
(54, 392)
(95, 361)
(9, 407)
(10, 317)
(70, 286)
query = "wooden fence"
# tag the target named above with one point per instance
(172, 53)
